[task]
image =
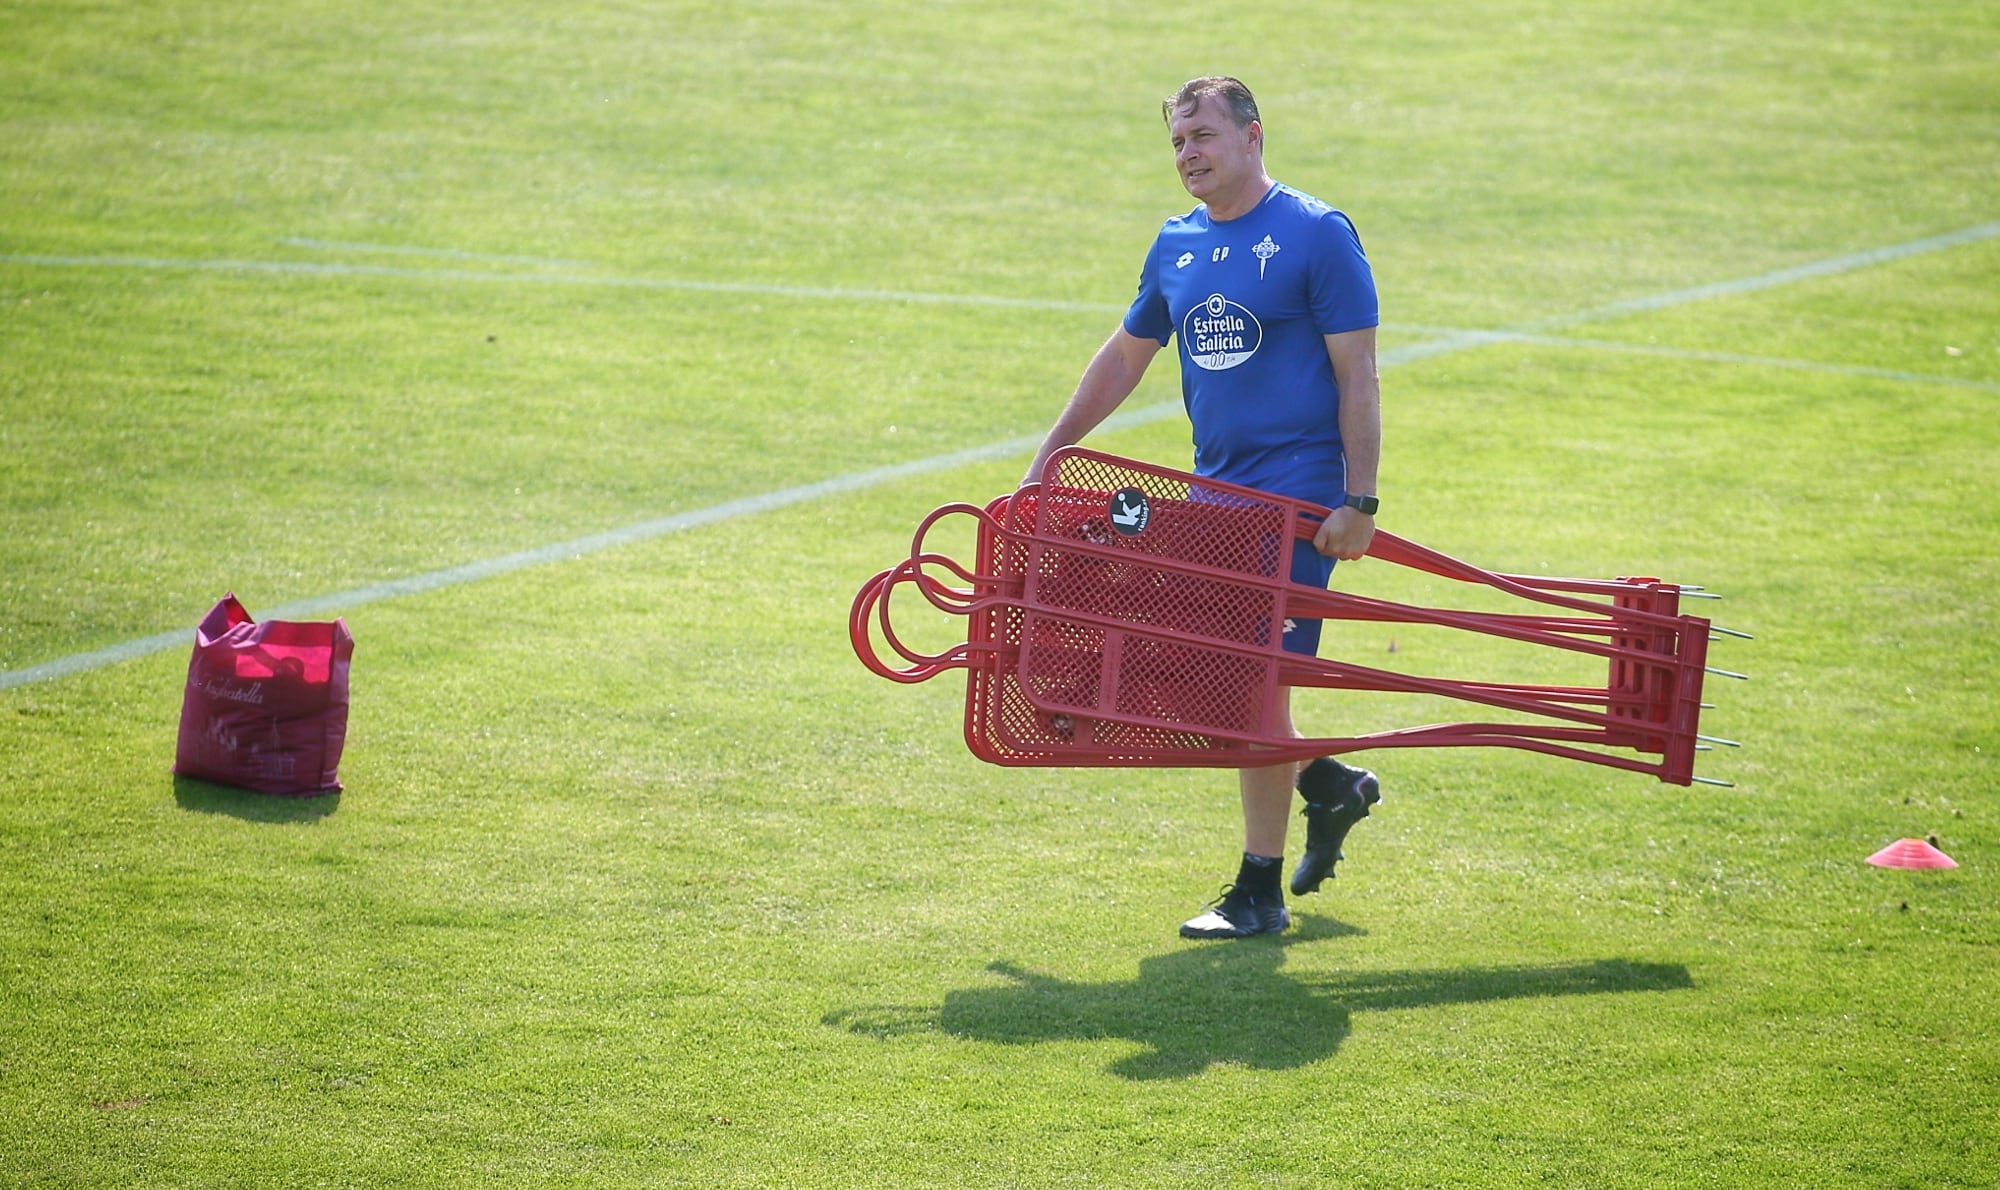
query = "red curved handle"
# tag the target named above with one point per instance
(872, 603)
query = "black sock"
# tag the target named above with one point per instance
(1259, 875)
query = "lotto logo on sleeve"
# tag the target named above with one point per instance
(1219, 334)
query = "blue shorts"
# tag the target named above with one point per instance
(1314, 569)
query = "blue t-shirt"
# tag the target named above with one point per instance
(1252, 300)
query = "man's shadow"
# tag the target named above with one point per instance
(1214, 1003)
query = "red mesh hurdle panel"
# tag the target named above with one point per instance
(1002, 725)
(1122, 613)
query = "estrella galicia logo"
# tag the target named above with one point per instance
(1130, 511)
(1219, 334)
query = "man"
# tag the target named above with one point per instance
(1274, 304)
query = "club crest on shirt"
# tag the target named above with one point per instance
(1219, 334)
(1264, 250)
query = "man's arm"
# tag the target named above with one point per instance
(1112, 375)
(1347, 532)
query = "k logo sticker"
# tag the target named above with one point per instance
(1129, 512)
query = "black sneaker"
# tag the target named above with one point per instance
(1337, 796)
(1238, 914)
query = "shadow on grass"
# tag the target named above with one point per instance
(1228, 1002)
(209, 798)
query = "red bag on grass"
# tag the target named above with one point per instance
(266, 704)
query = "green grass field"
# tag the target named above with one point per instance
(638, 878)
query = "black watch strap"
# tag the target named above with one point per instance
(1366, 504)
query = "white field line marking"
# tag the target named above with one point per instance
(564, 550)
(540, 262)
(1677, 297)
(770, 501)
(1713, 357)
(1804, 272)
(310, 268)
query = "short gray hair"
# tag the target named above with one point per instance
(1234, 95)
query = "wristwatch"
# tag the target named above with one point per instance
(1366, 504)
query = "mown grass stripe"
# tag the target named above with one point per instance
(1786, 276)
(1734, 358)
(540, 262)
(857, 481)
(312, 268)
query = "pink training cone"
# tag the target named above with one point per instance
(1911, 853)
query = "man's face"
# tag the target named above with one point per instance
(1215, 158)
